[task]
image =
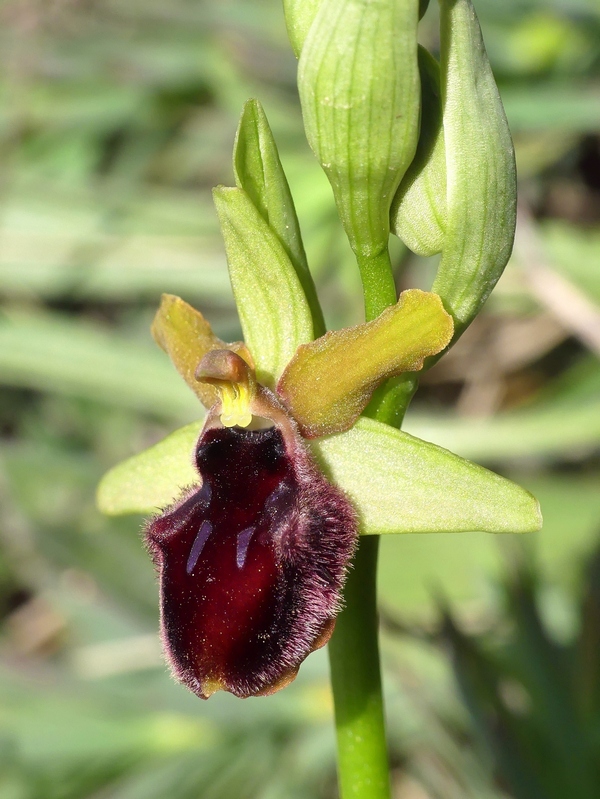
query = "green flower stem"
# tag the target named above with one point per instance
(391, 400)
(378, 283)
(363, 765)
(363, 768)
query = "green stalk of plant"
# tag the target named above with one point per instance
(363, 762)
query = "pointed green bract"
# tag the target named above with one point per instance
(153, 479)
(481, 195)
(259, 173)
(400, 484)
(418, 213)
(274, 313)
(329, 382)
(299, 16)
(185, 335)
(359, 86)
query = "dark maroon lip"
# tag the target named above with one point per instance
(251, 563)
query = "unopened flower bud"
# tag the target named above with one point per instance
(481, 180)
(358, 79)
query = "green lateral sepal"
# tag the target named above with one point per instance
(153, 479)
(401, 484)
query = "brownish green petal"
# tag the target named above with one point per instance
(329, 382)
(185, 335)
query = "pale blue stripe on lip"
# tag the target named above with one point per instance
(243, 542)
(198, 545)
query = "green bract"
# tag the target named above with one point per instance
(358, 79)
(481, 181)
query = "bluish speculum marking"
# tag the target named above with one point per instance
(198, 545)
(243, 541)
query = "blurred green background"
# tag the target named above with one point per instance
(116, 119)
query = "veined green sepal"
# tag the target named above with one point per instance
(259, 173)
(358, 79)
(481, 180)
(418, 214)
(273, 309)
(400, 484)
(329, 382)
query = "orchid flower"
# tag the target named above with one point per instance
(261, 504)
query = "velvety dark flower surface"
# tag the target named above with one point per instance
(252, 562)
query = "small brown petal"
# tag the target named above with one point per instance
(329, 382)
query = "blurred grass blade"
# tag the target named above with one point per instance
(544, 431)
(51, 353)
(509, 737)
(554, 106)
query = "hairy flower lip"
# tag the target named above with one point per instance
(252, 561)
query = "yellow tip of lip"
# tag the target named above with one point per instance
(211, 686)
